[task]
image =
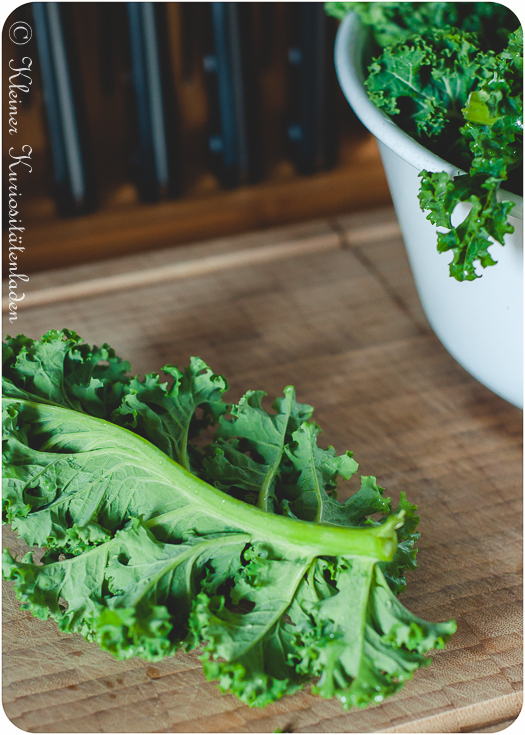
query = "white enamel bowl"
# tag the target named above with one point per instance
(479, 322)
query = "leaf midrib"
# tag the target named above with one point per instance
(305, 538)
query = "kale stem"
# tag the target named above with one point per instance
(308, 539)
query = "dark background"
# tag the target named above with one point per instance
(283, 146)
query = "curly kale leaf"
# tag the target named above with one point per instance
(62, 370)
(146, 556)
(427, 80)
(355, 635)
(396, 22)
(485, 221)
(494, 133)
(451, 75)
(166, 415)
(252, 462)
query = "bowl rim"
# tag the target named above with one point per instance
(350, 45)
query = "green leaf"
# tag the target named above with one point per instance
(167, 415)
(248, 651)
(313, 494)
(347, 636)
(132, 594)
(261, 434)
(451, 75)
(485, 222)
(60, 369)
(145, 556)
(405, 557)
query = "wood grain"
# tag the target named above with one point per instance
(196, 266)
(345, 327)
(131, 227)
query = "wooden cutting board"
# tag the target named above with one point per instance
(331, 308)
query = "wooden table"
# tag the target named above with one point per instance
(329, 307)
